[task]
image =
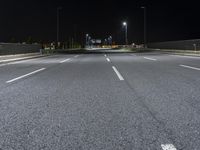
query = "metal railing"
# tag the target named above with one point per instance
(17, 48)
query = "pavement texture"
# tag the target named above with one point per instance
(78, 102)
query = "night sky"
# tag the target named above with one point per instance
(167, 20)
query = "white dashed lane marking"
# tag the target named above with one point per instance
(148, 58)
(189, 67)
(118, 73)
(168, 147)
(65, 60)
(108, 59)
(26, 75)
(76, 56)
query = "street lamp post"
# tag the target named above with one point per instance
(58, 23)
(145, 26)
(87, 40)
(126, 32)
(110, 41)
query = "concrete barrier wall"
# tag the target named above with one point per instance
(12, 48)
(182, 45)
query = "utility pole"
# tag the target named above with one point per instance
(126, 32)
(87, 40)
(145, 26)
(58, 24)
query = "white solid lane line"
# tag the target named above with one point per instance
(26, 75)
(148, 58)
(65, 60)
(168, 147)
(118, 73)
(108, 59)
(182, 56)
(189, 67)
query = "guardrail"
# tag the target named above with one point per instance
(179, 45)
(17, 48)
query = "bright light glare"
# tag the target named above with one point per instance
(124, 23)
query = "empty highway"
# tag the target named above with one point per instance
(104, 101)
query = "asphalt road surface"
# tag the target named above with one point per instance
(148, 101)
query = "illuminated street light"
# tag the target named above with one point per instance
(126, 32)
(124, 23)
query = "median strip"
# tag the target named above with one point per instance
(150, 58)
(189, 67)
(26, 75)
(118, 73)
(65, 60)
(168, 147)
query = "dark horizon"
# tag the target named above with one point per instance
(166, 20)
